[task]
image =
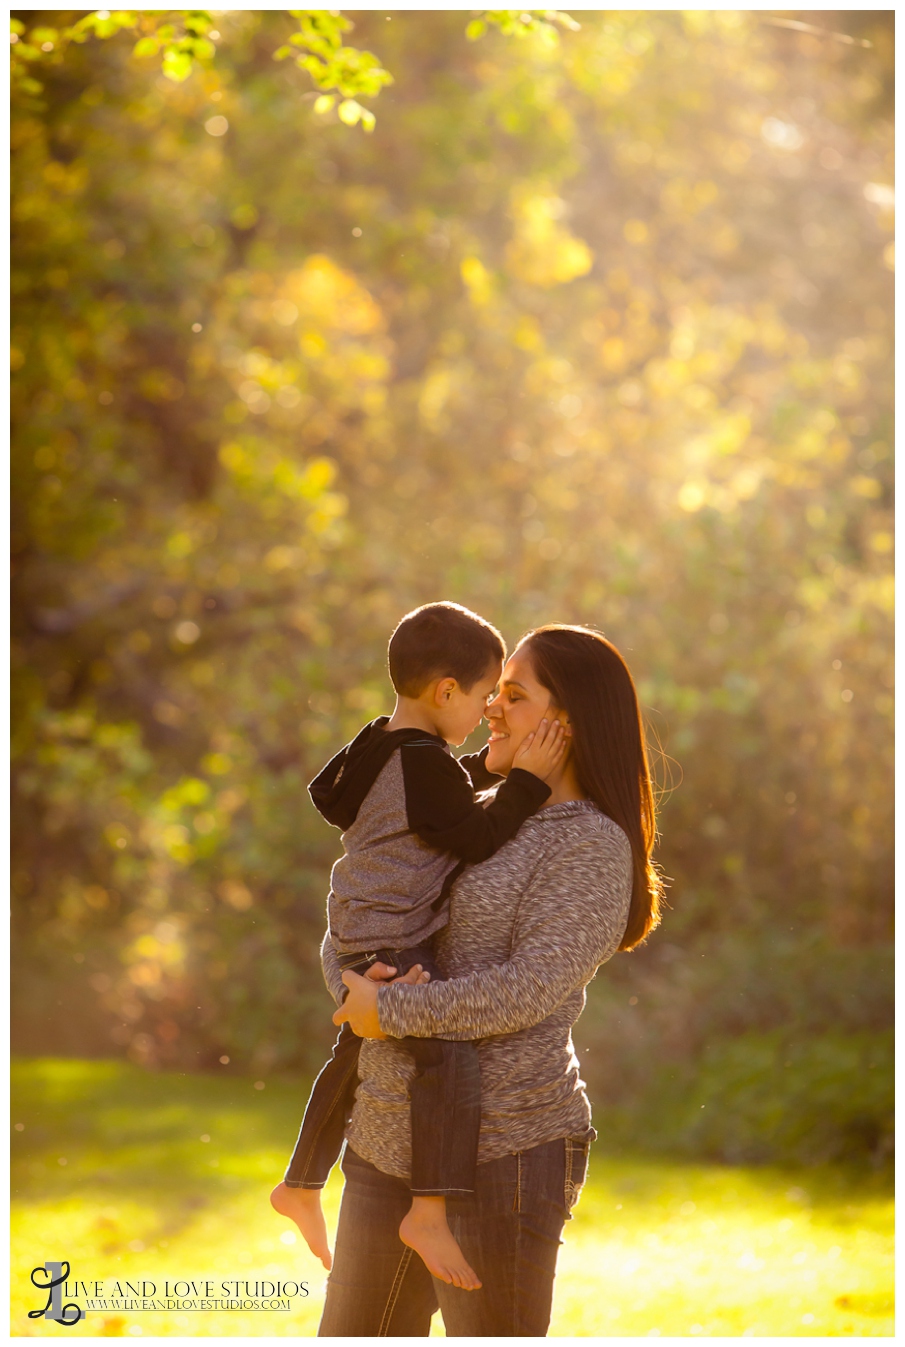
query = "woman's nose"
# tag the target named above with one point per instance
(492, 707)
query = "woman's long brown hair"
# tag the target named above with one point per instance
(589, 680)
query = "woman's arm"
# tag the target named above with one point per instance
(377, 973)
(571, 919)
(332, 972)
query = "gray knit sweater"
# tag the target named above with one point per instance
(527, 931)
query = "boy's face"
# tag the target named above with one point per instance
(462, 712)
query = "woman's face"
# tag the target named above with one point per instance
(516, 710)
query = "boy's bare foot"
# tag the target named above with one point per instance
(425, 1230)
(303, 1205)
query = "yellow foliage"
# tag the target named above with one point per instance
(692, 495)
(318, 476)
(435, 393)
(330, 298)
(867, 487)
(613, 354)
(477, 279)
(527, 334)
(543, 252)
(282, 558)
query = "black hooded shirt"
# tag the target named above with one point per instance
(410, 821)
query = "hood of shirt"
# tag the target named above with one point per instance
(339, 790)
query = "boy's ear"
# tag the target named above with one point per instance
(444, 690)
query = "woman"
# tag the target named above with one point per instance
(527, 931)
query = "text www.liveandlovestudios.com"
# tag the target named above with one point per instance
(68, 1299)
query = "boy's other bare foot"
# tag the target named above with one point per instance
(303, 1205)
(425, 1230)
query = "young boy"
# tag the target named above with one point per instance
(410, 823)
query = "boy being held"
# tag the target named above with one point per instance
(410, 823)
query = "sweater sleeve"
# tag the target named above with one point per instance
(441, 808)
(571, 919)
(332, 972)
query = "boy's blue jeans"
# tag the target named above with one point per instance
(509, 1230)
(445, 1101)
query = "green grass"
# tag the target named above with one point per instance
(656, 1247)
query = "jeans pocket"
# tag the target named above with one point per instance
(577, 1151)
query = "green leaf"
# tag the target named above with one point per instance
(477, 28)
(199, 22)
(324, 103)
(315, 67)
(203, 49)
(106, 27)
(146, 46)
(349, 111)
(177, 66)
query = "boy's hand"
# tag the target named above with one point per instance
(542, 752)
(381, 972)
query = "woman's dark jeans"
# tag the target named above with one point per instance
(445, 1101)
(509, 1231)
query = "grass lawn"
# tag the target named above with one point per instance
(129, 1175)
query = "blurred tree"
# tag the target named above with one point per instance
(183, 38)
(596, 327)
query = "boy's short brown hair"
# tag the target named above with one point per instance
(442, 640)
